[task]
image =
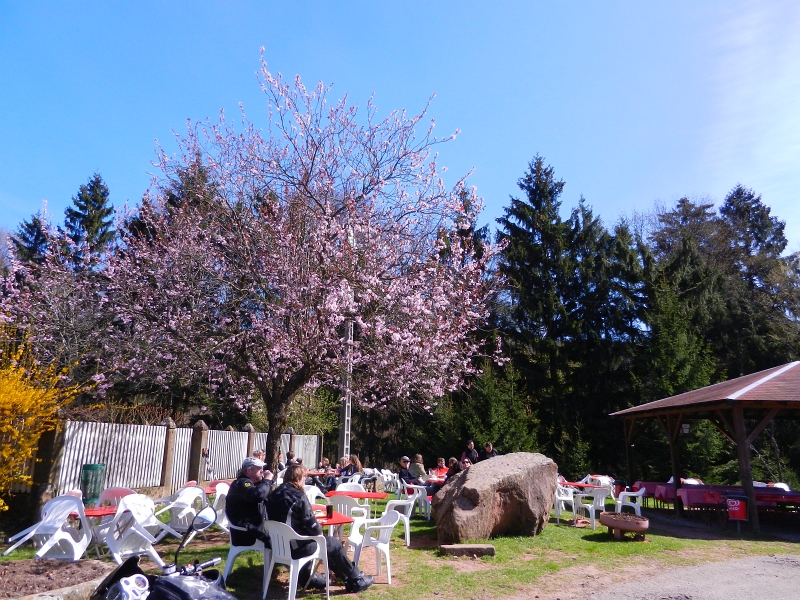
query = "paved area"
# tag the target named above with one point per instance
(774, 577)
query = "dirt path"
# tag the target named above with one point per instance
(774, 577)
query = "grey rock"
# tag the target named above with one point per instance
(506, 495)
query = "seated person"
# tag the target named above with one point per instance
(290, 460)
(405, 474)
(417, 468)
(244, 503)
(289, 497)
(440, 470)
(470, 453)
(453, 469)
(488, 451)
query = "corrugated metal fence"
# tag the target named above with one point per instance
(181, 453)
(226, 450)
(305, 447)
(133, 454)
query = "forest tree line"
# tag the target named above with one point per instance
(590, 320)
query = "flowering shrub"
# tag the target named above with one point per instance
(29, 398)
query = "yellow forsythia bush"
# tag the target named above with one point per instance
(29, 398)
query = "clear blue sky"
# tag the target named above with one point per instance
(631, 102)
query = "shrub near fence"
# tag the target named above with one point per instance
(134, 455)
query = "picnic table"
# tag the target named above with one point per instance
(578, 484)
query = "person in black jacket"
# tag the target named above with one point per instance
(470, 453)
(290, 498)
(488, 451)
(244, 504)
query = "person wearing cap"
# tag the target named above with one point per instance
(470, 453)
(289, 501)
(244, 504)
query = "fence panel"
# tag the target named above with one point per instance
(226, 451)
(305, 447)
(133, 454)
(181, 454)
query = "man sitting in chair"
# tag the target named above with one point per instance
(290, 498)
(244, 503)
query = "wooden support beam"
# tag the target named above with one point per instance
(673, 425)
(760, 427)
(629, 425)
(745, 471)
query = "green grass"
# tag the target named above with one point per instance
(520, 563)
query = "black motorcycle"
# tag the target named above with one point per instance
(191, 582)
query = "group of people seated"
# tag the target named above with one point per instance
(254, 498)
(414, 473)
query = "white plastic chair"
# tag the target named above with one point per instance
(404, 508)
(54, 535)
(183, 506)
(423, 504)
(220, 499)
(597, 503)
(564, 496)
(604, 481)
(389, 480)
(257, 546)
(134, 529)
(108, 497)
(313, 494)
(351, 508)
(281, 536)
(632, 499)
(382, 530)
(279, 477)
(355, 487)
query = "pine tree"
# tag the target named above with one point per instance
(91, 219)
(30, 240)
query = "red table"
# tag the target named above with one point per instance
(337, 520)
(359, 495)
(582, 485)
(100, 511)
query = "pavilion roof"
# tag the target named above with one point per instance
(775, 387)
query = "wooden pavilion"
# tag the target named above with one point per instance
(739, 408)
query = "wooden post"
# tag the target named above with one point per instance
(628, 426)
(169, 455)
(251, 439)
(49, 451)
(745, 472)
(672, 427)
(198, 444)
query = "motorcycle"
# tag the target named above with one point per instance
(191, 582)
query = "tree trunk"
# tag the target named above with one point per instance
(277, 409)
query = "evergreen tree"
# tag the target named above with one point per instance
(572, 314)
(31, 241)
(91, 219)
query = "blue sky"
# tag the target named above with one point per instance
(631, 102)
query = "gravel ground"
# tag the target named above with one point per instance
(774, 577)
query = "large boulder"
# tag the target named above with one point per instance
(506, 495)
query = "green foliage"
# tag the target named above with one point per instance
(30, 240)
(496, 408)
(314, 412)
(91, 220)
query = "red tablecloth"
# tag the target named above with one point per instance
(359, 495)
(582, 485)
(100, 511)
(337, 518)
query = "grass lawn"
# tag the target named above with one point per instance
(561, 561)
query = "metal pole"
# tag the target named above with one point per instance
(347, 400)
